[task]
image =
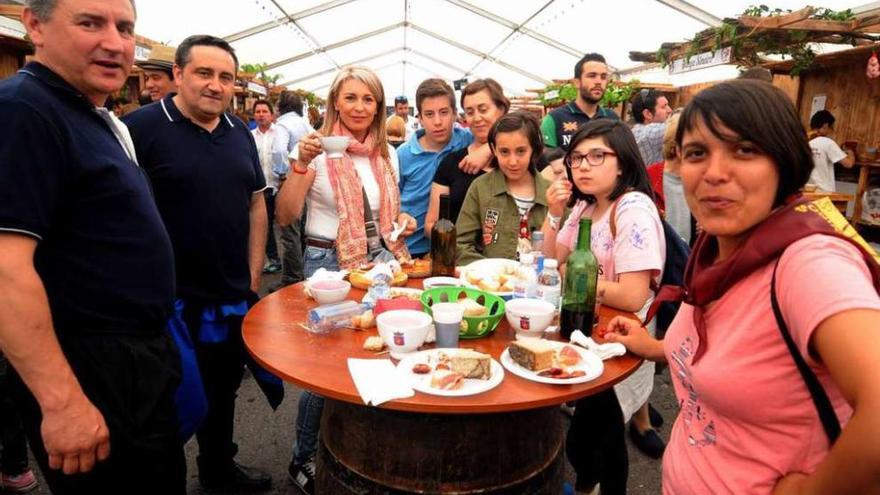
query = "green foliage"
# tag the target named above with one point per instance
(747, 50)
(260, 69)
(619, 92)
(557, 94)
(764, 11)
(663, 57)
(616, 93)
(830, 15)
(312, 99)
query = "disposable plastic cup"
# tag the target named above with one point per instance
(447, 323)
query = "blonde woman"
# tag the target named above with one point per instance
(396, 130)
(342, 230)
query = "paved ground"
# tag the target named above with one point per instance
(265, 438)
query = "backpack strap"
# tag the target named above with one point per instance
(612, 225)
(820, 399)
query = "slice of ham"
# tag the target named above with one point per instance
(446, 380)
(569, 356)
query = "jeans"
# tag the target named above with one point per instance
(271, 245)
(596, 444)
(316, 257)
(311, 405)
(13, 443)
(308, 422)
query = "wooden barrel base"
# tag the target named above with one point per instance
(368, 450)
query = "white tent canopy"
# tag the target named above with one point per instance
(522, 44)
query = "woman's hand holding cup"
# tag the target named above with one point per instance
(309, 148)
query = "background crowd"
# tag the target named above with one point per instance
(130, 251)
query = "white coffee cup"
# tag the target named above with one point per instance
(334, 146)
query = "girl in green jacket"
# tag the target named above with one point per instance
(503, 207)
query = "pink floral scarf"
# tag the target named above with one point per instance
(351, 237)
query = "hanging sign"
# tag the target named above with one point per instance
(257, 88)
(141, 52)
(701, 61)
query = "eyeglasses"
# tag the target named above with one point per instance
(594, 158)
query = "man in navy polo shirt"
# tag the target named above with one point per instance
(208, 183)
(591, 79)
(86, 267)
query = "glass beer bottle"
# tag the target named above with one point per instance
(579, 286)
(443, 242)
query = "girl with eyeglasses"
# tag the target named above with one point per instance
(605, 176)
(504, 206)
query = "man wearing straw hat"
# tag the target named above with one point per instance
(158, 75)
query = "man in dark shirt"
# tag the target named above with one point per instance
(591, 79)
(208, 183)
(86, 267)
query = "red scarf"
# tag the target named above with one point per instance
(351, 237)
(706, 280)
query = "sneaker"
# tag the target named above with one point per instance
(19, 483)
(303, 476)
(648, 442)
(235, 478)
(655, 417)
(567, 489)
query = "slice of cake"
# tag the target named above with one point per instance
(532, 354)
(471, 364)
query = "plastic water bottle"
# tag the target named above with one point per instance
(337, 315)
(538, 250)
(527, 281)
(381, 288)
(550, 283)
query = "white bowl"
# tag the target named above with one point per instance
(403, 330)
(329, 291)
(334, 146)
(430, 283)
(529, 317)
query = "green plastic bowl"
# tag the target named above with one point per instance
(477, 326)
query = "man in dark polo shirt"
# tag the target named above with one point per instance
(591, 78)
(86, 266)
(208, 182)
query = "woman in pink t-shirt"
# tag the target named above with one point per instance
(748, 423)
(604, 168)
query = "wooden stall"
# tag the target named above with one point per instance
(14, 48)
(839, 80)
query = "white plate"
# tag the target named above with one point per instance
(405, 292)
(400, 292)
(422, 383)
(590, 364)
(487, 267)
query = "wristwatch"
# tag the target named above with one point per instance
(554, 221)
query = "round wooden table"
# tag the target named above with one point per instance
(506, 440)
